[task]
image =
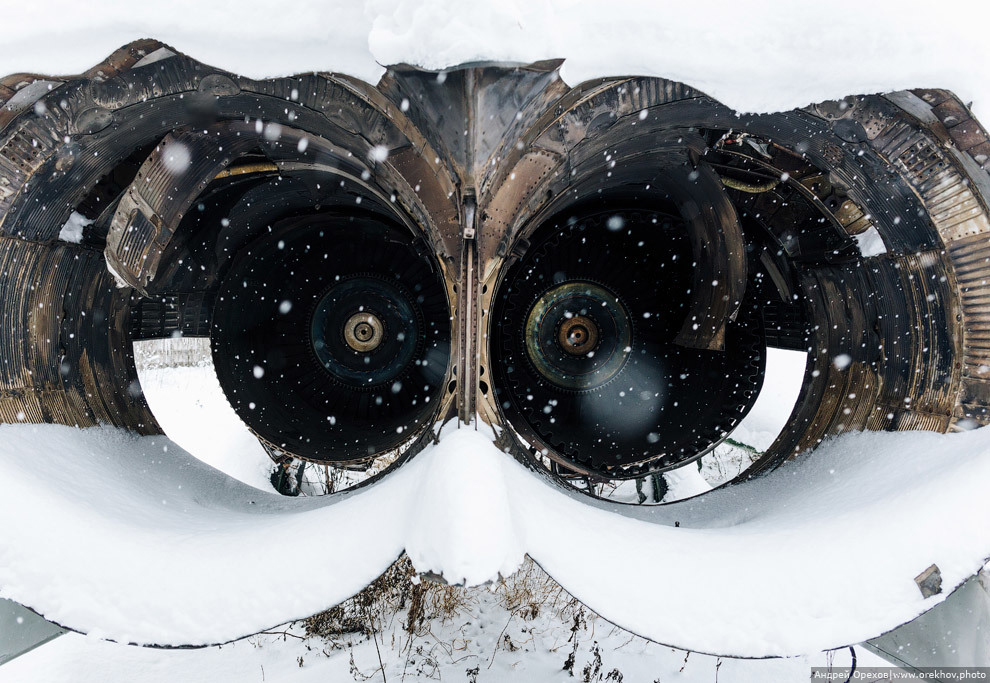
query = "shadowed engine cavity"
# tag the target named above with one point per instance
(331, 336)
(586, 352)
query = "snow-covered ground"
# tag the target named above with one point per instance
(500, 640)
(186, 398)
(133, 539)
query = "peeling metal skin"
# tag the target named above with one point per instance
(474, 162)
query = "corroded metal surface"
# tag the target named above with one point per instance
(475, 161)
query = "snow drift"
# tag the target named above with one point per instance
(131, 539)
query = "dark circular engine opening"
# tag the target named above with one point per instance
(331, 336)
(589, 368)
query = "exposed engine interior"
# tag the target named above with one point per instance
(596, 271)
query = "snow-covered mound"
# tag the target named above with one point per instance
(132, 539)
(760, 56)
(135, 540)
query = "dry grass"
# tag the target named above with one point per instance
(425, 624)
(421, 604)
(398, 593)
